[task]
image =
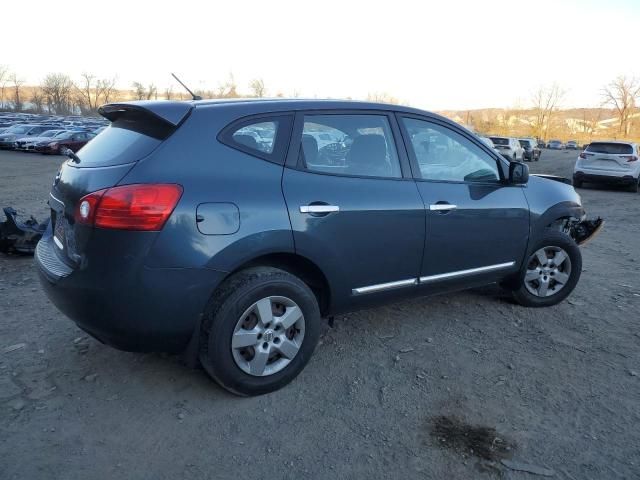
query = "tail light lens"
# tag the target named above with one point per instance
(143, 207)
(583, 155)
(631, 158)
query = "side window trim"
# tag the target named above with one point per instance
(283, 133)
(415, 168)
(294, 158)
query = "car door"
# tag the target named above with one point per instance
(477, 225)
(355, 211)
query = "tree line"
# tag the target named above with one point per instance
(59, 94)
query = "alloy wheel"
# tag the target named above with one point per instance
(548, 271)
(268, 336)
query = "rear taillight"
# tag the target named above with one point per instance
(129, 207)
(583, 155)
(631, 158)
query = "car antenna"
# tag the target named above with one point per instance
(195, 97)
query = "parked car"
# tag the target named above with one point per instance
(556, 145)
(608, 162)
(73, 140)
(572, 145)
(162, 238)
(531, 150)
(509, 147)
(9, 136)
(542, 144)
(28, 143)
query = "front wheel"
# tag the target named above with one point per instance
(259, 331)
(551, 273)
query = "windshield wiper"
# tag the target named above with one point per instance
(69, 153)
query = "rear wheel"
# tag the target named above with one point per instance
(577, 183)
(551, 273)
(634, 186)
(260, 329)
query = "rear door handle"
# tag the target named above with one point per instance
(319, 208)
(442, 207)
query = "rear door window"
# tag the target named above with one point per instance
(347, 144)
(610, 148)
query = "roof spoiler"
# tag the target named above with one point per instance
(158, 119)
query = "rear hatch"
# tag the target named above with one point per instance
(136, 131)
(500, 143)
(608, 156)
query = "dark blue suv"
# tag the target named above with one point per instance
(226, 230)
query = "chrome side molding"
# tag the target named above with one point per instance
(385, 286)
(463, 273)
(429, 279)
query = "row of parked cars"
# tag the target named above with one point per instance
(514, 149)
(47, 134)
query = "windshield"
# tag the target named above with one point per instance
(18, 129)
(499, 140)
(525, 143)
(610, 148)
(50, 133)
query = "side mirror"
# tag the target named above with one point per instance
(518, 173)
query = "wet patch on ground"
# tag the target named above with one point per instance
(477, 440)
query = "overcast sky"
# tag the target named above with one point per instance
(452, 54)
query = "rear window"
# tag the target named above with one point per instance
(610, 148)
(116, 146)
(499, 141)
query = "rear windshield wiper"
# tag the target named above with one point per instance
(69, 153)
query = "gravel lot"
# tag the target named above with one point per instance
(562, 384)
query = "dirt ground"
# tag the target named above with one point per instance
(560, 385)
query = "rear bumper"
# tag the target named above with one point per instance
(600, 178)
(127, 305)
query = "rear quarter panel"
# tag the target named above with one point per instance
(213, 172)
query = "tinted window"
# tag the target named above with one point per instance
(360, 145)
(499, 140)
(258, 136)
(610, 148)
(445, 155)
(115, 146)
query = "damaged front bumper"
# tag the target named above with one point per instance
(583, 231)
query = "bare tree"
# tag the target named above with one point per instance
(93, 92)
(38, 100)
(545, 103)
(4, 78)
(382, 97)
(228, 89)
(623, 94)
(17, 91)
(58, 89)
(257, 87)
(168, 92)
(141, 92)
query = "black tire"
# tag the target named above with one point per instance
(577, 183)
(551, 238)
(634, 186)
(238, 293)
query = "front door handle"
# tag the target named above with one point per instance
(442, 207)
(319, 208)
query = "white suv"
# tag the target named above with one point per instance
(608, 162)
(509, 148)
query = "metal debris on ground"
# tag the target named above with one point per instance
(20, 237)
